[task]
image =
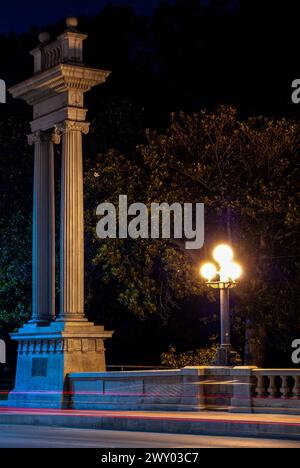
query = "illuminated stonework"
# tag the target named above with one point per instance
(50, 346)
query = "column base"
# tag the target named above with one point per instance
(71, 318)
(41, 322)
(47, 354)
(227, 357)
(223, 357)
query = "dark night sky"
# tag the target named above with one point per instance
(18, 16)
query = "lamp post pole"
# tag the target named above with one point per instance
(225, 348)
(228, 273)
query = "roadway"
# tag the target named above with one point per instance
(16, 436)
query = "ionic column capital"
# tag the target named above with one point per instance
(72, 125)
(56, 136)
(38, 137)
(44, 137)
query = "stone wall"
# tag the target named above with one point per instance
(188, 389)
(238, 389)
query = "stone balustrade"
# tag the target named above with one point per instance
(67, 48)
(51, 55)
(237, 390)
(277, 383)
(267, 391)
(276, 391)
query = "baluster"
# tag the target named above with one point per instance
(272, 390)
(52, 59)
(284, 386)
(296, 388)
(47, 60)
(260, 389)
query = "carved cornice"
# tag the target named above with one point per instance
(61, 78)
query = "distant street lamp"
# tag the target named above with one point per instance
(223, 278)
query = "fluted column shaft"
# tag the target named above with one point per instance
(43, 244)
(72, 224)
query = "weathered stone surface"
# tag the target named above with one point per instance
(50, 348)
(46, 355)
(43, 244)
(148, 390)
(189, 389)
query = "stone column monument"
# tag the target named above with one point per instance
(51, 347)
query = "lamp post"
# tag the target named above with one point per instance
(222, 277)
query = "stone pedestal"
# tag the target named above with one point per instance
(244, 383)
(47, 354)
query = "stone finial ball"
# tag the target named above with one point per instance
(72, 22)
(44, 37)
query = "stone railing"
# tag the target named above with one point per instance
(275, 391)
(277, 383)
(266, 391)
(237, 390)
(51, 55)
(143, 390)
(188, 389)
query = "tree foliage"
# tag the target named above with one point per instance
(199, 357)
(15, 224)
(247, 174)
